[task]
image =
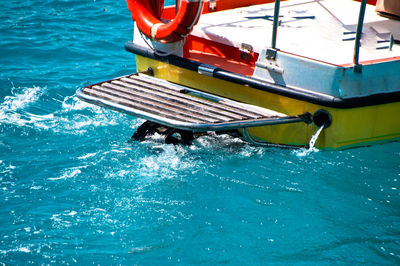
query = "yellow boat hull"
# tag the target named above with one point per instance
(351, 127)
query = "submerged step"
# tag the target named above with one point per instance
(179, 107)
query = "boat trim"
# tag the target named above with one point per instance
(291, 92)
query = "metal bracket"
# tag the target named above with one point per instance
(245, 51)
(248, 48)
(271, 53)
(358, 68)
(207, 70)
(212, 5)
(270, 66)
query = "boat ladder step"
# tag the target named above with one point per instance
(180, 107)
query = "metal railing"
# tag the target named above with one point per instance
(357, 66)
(276, 23)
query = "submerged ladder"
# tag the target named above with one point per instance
(178, 107)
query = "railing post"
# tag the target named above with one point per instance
(357, 66)
(271, 52)
(276, 23)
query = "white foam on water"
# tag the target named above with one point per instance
(72, 103)
(71, 119)
(72, 213)
(215, 141)
(87, 155)
(162, 162)
(69, 173)
(21, 98)
(64, 220)
(24, 249)
(11, 110)
(140, 249)
(67, 119)
(166, 164)
(7, 168)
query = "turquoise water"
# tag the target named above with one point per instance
(73, 190)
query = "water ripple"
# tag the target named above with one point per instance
(75, 190)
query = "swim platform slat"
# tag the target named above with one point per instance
(140, 106)
(176, 99)
(159, 101)
(174, 90)
(149, 101)
(177, 106)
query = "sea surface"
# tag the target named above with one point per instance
(74, 190)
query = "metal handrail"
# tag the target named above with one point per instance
(357, 66)
(276, 23)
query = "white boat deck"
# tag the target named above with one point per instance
(323, 30)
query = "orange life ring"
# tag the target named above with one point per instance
(149, 23)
